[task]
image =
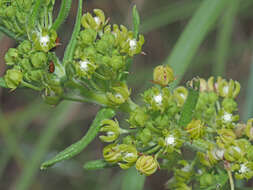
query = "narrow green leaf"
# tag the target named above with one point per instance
(136, 22)
(189, 105)
(2, 83)
(77, 147)
(248, 110)
(97, 165)
(63, 14)
(53, 126)
(166, 15)
(133, 180)
(193, 35)
(11, 34)
(69, 52)
(34, 15)
(224, 38)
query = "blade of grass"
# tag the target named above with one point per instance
(224, 38)
(21, 120)
(63, 14)
(69, 52)
(172, 13)
(193, 35)
(53, 126)
(248, 105)
(132, 180)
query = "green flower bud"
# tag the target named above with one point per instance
(180, 94)
(204, 159)
(146, 165)
(117, 62)
(184, 172)
(53, 95)
(229, 105)
(158, 100)
(85, 68)
(145, 136)
(129, 140)
(171, 141)
(237, 151)
(119, 95)
(249, 129)
(245, 171)
(195, 129)
(112, 130)
(25, 47)
(106, 44)
(34, 76)
(39, 60)
(112, 153)
(138, 118)
(10, 11)
(95, 23)
(88, 36)
(44, 40)
(25, 64)
(215, 154)
(132, 46)
(129, 155)
(13, 78)
(226, 119)
(11, 57)
(206, 180)
(226, 137)
(240, 130)
(163, 75)
(227, 89)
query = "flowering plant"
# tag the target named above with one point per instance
(200, 117)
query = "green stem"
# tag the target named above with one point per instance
(231, 181)
(63, 13)
(30, 86)
(69, 52)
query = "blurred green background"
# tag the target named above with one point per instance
(31, 131)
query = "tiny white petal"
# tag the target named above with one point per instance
(187, 168)
(97, 20)
(237, 149)
(158, 98)
(132, 44)
(118, 95)
(227, 117)
(170, 140)
(84, 65)
(243, 169)
(225, 90)
(110, 133)
(182, 95)
(44, 40)
(129, 155)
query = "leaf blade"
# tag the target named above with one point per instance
(77, 147)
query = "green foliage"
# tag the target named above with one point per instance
(201, 117)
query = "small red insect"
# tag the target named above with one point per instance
(57, 41)
(51, 67)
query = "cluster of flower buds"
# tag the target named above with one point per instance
(15, 15)
(102, 56)
(34, 69)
